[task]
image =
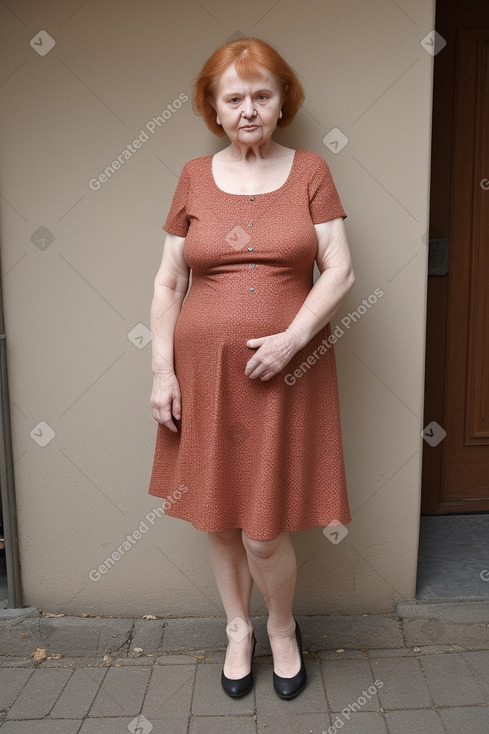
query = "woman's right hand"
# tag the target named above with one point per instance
(166, 400)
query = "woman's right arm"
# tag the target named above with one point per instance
(170, 287)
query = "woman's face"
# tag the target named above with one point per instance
(247, 110)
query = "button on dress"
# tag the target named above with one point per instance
(262, 456)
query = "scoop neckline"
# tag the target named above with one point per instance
(267, 193)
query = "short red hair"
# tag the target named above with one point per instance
(249, 54)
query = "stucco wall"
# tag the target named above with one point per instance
(72, 303)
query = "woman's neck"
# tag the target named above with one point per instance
(251, 153)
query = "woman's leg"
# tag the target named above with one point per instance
(273, 567)
(230, 566)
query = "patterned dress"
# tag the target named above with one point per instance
(262, 456)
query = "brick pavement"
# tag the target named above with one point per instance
(425, 668)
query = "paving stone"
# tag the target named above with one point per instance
(419, 632)
(122, 692)
(79, 693)
(353, 631)
(414, 722)
(77, 636)
(285, 723)
(177, 724)
(147, 634)
(311, 700)
(478, 662)
(73, 662)
(8, 661)
(19, 636)
(39, 694)
(259, 659)
(11, 683)
(56, 662)
(194, 634)
(451, 681)
(210, 698)
(141, 660)
(466, 720)
(218, 656)
(347, 654)
(18, 613)
(44, 726)
(414, 652)
(118, 725)
(176, 660)
(359, 723)
(169, 692)
(347, 685)
(213, 724)
(468, 612)
(403, 683)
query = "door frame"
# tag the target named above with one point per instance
(439, 228)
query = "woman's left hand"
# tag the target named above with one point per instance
(272, 354)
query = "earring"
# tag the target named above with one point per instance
(218, 120)
(280, 115)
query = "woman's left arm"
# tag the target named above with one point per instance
(336, 280)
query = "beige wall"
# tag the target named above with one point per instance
(71, 305)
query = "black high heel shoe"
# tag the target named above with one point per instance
(290, 687)
(237, 687)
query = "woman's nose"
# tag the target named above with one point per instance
(248, 109)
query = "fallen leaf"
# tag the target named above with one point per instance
(39, 654)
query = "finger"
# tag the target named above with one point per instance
(168, 423)
(177, 407)
(165, 418)
(253, 343)
(257, 364)
(251, 367)
(169, 415)
(258, 371)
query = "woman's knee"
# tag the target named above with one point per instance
(226, 537)
(264, 549)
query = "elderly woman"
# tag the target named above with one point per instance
(248, 444)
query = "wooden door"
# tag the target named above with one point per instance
(456, 466)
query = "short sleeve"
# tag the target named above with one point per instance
(324, 200)
(177, 221)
